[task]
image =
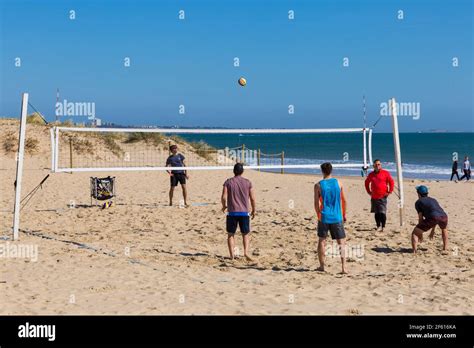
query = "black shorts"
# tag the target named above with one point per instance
(427, 224)
(337, 230)
(178, 177)
(242, 221)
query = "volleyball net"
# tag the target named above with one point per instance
(81, 149)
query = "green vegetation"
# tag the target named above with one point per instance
(81, 145)
(110, 143)
(203, 149)
(149, 138)
(31, 145)
(10, 142)
(35, 118)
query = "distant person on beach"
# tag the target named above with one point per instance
(330, 206)
(430, 215)
(379, 185)
(466, 168)
(236, 193)
(454, 170)
(177, 175)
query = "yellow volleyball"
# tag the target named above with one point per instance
(242, 81)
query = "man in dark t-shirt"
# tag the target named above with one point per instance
(177, 175)
(430, 215)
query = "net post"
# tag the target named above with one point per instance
(70, 153)
(51, 132)
(282, 161)
(364, 139)
(56, 149)
(19, 166)
(370, 146)
(398, 159)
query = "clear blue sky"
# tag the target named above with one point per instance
(286, 62)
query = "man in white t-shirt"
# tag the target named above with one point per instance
(466, 168)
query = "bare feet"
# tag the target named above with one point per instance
(248, 258)
(320, 269)
(343, 272)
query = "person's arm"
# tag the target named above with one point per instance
(367, 185)
(343, 202)
(420, 218)
(185, 172)
(390, 182)
(419, 211)
(184, 165)
(168, 164)
(253, 202)
(317, 208)
(224, 199)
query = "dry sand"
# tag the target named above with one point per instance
(143, 257)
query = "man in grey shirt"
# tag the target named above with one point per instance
(235, 198)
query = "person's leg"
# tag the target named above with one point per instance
(416, 237)
(377, 219)
(444, 234)
(432, 232)
(185, 194)
(464, 175)
(452, 175)
(342, 251)
(231, 227)
(457, 175)
(246, 241)
(321, 252)
(383, 220)
(171, 195)
(231, 244)
(244, 225)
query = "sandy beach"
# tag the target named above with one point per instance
(143, 257)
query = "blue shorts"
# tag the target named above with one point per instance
(241, 220)
(337, 230)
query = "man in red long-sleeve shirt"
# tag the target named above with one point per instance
(379, 184)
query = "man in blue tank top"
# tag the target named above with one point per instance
(330, 206)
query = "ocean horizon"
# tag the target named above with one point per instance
(424, 155)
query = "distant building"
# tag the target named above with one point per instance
(95, 122)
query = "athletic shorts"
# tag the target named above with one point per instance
(178, 177)
(441, 221)
(242, 221)
(337, 230)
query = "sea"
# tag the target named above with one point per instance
(424, 155)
